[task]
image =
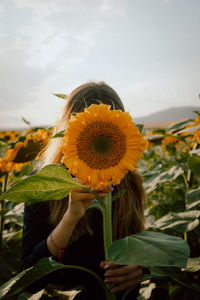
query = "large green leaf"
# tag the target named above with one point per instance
(176, 275)
(168, 175)
(15, 215)
(194, 164)
(180, 222)
(150, 249)
(53, 182)
(193, 264)
(10, 254)
(189, 130)
(193, 198)
(154, 137)
(180, 125)
(44, 267)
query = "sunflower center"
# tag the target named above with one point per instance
(101, 145)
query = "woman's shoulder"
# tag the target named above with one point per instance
(37, 209)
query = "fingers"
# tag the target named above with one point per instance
(102, 264)
(123, 276)
(78, 195)
(122, 271)
(87, 187)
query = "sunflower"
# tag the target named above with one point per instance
(100, 145)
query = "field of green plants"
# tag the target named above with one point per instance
(171, 170)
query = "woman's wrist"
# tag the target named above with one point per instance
(58, 239)
(58, 251)
(71, 218)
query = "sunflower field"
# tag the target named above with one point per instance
(171, 170)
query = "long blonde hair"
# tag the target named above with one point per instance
(128, 216)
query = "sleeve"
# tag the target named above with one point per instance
(36, 229)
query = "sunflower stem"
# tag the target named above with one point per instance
(2, 207)
(107, 223)
(107, 232)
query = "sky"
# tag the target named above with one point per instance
(147, 50)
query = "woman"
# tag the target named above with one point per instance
(73, 234)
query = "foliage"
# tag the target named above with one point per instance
(170, 167)
(172, 180)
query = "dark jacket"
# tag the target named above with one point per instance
(87, 251)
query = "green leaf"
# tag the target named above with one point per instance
(169, 175)
(44, 267)
(193, 264)
(174, 274)
(180, 222)
(150, 249)
(140, 127)
(15, 215)
(62, 96)
(189, 130)
(53, 182)
(180, 125)
(25, 121)
(197, 112)
(58, 134)
(154, 137)
(193, 198)
(194, 164)
(195, 151)
(3, 148)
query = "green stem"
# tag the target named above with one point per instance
(107, 223)
(186, 192)
(2, 207)
(107, 231)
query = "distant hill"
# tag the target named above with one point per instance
(159, 119)
(162, 118)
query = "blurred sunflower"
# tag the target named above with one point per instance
(39, 136)
(7, 163)
(197, 120)
(9, 135)
(197, 136)
(100, 145)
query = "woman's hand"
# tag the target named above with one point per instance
(79, 201)
(123, 277)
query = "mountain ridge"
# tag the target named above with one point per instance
(161, 118)
(166, 116)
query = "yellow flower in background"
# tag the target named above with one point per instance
(23, 152)
(197, 136)
(100, 145)
(41, 135)
(9, 135)
(7, 162)
(197, 120)
(11, 153)
(169, 140)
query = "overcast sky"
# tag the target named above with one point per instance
(147, 50)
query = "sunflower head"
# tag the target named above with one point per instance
(100, 145)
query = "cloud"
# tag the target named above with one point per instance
(18, 79)
(49, 46)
